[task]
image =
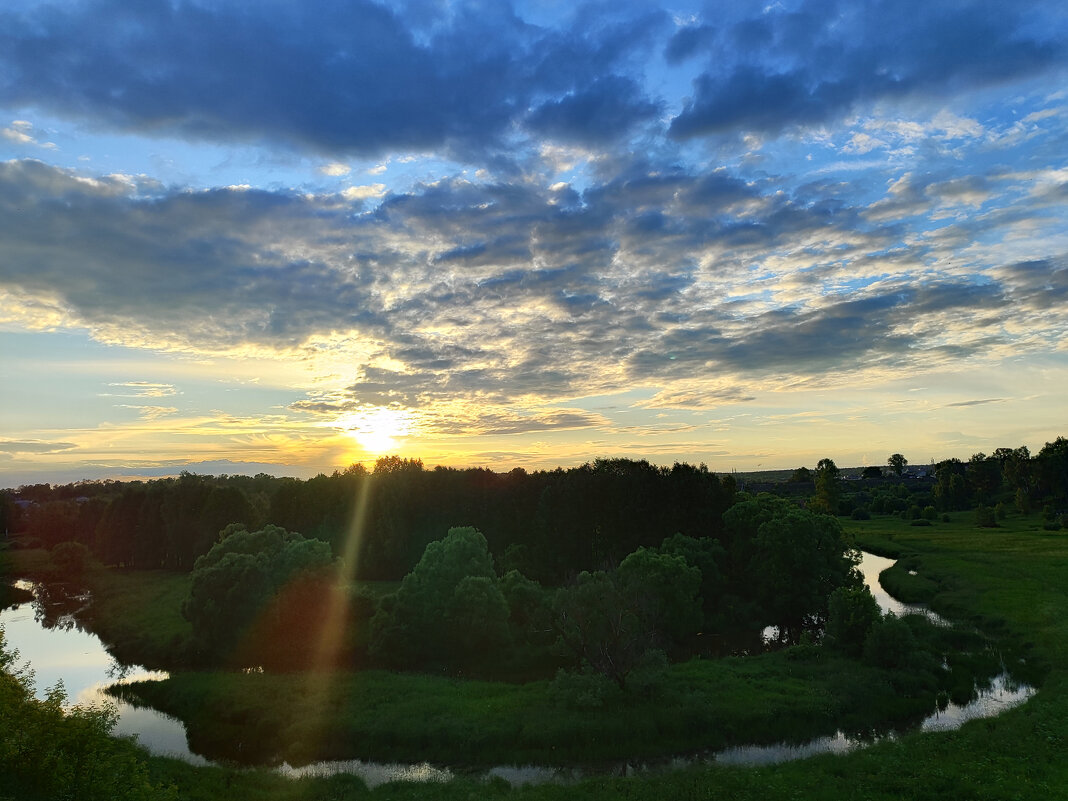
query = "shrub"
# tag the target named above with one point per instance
(860, 513)
(890, 644)
(851, 614)
(70, 559)
(582, 689)
(984, 517)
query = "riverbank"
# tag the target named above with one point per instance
(792, 696)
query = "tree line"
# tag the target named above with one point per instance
(549, 524)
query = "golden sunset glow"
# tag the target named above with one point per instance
(377, 430)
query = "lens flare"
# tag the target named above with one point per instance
(322, 680)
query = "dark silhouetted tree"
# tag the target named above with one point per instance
(897, 464)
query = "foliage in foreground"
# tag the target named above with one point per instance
(50, 752)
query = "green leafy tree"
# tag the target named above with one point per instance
(984, 474)
(852, 612)
(891, 644)
(448, 612)
(793, 560)
(950, 490)
(70, 559)
(613, 623)
(232, 583)
(708, 556)
(665, 590)
(1052, 462)
(827, 487)
(897, 464)
(529, 610)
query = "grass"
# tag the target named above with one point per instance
(138, 615)
(409, 717)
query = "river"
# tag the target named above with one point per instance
(62, 652)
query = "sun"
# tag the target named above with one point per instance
(377, 428)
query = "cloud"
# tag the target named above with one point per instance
(35, 447)
(982, 402)
(151, 412)
(603, 111)
(502, 423)
(335, 168)
(353, 78)
(365, 192)
(21, 132)
(820, 59)
(675, 279)
(142, 389)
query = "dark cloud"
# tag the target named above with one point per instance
(687, 41)
(849, 334)
(1041, 284)
(815, 63)
(338, 77)
(982, 402)
(602, 112)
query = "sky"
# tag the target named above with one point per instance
(285, 237)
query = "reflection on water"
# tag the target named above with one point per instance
(870, 567)
(48, 637)
(1003, 694)
(372, 773)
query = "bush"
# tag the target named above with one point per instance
(890, 644)
(582, 689)
(648, 677)
(851, 615)
(70, 559)
(860, 513)
(984, 517)
(930, 513)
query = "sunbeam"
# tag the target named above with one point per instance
(330, 645)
